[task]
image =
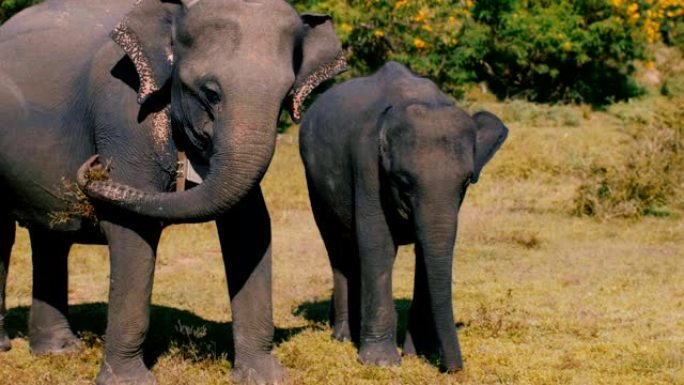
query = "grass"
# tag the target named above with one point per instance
(542, 296)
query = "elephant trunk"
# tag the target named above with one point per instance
(436, 226)
(243, 149)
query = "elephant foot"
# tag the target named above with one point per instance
(132, 374)
(261, 370)
(426, 345)
(380, 353)
(341, 331)
(62, 344)
(5, 343)
(409, 346)
(451, 367)
(421, 345)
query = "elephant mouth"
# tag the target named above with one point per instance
(302, 90)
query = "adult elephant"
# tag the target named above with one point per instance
(139, 82)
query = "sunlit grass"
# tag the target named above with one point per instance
(543, 297)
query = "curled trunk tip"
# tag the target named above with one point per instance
(91, 170)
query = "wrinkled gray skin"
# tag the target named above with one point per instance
(105, 77)
(388, 160)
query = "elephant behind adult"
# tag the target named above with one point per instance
(135, 82)
(388, 160)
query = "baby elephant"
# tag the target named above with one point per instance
(388, 160)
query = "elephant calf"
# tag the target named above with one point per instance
(388, 161)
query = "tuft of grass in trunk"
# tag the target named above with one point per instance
(79, 205)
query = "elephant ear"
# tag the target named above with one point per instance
(145, 35)
(322, 58)
(491, 133)
(383, 141)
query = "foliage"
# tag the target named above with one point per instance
(9, 7)
(544, 50)
(559, 51)
(650, 173)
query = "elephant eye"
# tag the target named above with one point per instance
(402, 180)
(211, 93)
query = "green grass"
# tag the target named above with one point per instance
(544, 297)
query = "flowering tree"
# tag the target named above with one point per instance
(545, 50)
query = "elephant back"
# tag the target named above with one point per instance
(50, 44)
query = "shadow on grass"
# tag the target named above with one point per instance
(171, 330)
(319, 312)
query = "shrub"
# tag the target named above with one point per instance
(9, 7)
(566, 51)
(544, 50)
(650, 173)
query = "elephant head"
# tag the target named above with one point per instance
(229, 65)
(423, 146)
(429, 155)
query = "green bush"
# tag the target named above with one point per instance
(578, 51)
(9, 7)
(544, 50)
(650, 173)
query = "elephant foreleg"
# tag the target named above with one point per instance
(245, 236)
(49, 330)
(132, 252)
(377, 251)
(7, 230)
(421, 335)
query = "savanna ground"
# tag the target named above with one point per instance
(541, 296)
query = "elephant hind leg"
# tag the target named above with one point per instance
(340, 245)
(49, 330)
(345, 310)
(7, 232)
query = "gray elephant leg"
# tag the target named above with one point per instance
(344, 260)
(434, 261)
(245, 236)
(7, 230)
(421, 335)
(377, 251)
(132, 253)
(49, 330)
(345, 307)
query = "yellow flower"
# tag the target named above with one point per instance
(420, 16)
(400, 3)
(567, 46)
(378, 33)
(426, 27)
(633, 8)
(346, 27)
(419, 43)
